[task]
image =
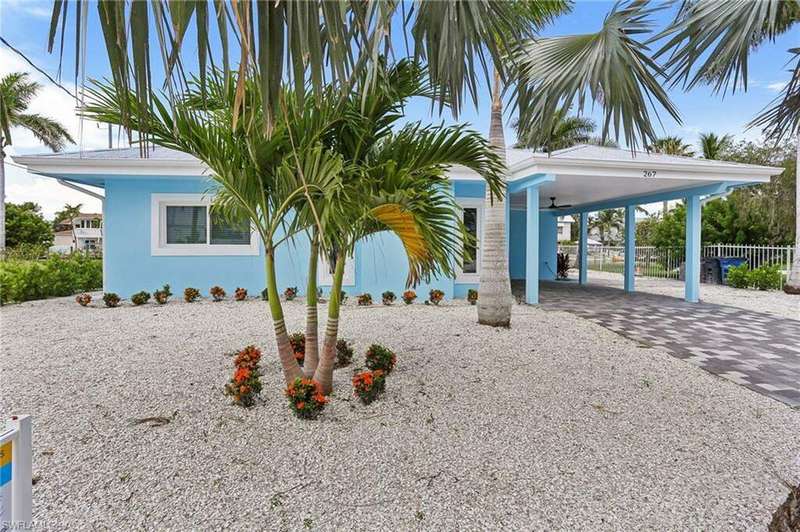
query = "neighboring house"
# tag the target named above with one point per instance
(82, 233)
(158, 228)
(565, 228)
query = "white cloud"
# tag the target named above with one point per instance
(33, 8)
(22, 186)
(54, 103)
(778, 86)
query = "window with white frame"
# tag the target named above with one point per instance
(185, 224)
(472, 216)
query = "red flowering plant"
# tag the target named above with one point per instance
(379, 357)
(217, 292)
(83, 299)
(369, 385)
(240, 294)
(365, 299)
(298, 341)
(409, 296)
(306, 398)
(246, 381)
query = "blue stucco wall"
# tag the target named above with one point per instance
(548, 245)
(380, 262)
(516, 259)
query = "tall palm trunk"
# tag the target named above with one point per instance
(494, 304)
(312, 342)
(792, 285)
(291, 369)
(324, 373)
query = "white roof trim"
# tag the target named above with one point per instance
(605, 162)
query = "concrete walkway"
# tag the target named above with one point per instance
(759, 351)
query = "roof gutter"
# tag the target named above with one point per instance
(73, 186)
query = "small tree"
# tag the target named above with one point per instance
(26, 226)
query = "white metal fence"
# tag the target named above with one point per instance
(16, 489)
(665, 263)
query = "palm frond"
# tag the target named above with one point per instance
(782, 117)
(609, 68)
(709, 42)
(46, 130)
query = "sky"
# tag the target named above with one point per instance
(25, 24)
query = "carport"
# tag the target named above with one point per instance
(588, 178)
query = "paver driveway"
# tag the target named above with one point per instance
(759, 351)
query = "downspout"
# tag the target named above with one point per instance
(102, 199)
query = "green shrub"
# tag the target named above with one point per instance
(111, 299)
(163, 295)
(472, 296)
(344, 353)
(766, 277)
(25, 280)
(379, 357)
(739, 276)
(388, 297)
(140, 298)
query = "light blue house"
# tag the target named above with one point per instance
(158, 228)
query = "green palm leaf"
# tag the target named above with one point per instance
(609, 68)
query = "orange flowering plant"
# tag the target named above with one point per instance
(298, 341)
(369, 385)
(240, 294)
(83, 299)
(306, 398)
(409, 296)
(379, 357)
(435, 296)
(246, 381)
(365, 299)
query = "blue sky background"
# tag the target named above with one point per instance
(25, 24)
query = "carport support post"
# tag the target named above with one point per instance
(630, 247)
(583, 248)
(532, 246)
(692, 268)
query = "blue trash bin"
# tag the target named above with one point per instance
(726, 263)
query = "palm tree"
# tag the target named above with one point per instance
(671, 146)
(565, 132)
(16, 93)
(396, 181)
(609, 224)
(67, 214)
(710, 42)
(713, 146)
(336, 164)
(321, 41)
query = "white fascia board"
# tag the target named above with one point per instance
(703, 171)
(50, 165)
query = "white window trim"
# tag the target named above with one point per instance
(325, 277)
(473, 203)
(158, 229)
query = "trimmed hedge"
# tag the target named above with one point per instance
(24, 280)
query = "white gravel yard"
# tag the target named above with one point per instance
(554, 424)
(771, 301)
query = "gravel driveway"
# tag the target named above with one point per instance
(554, 424)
